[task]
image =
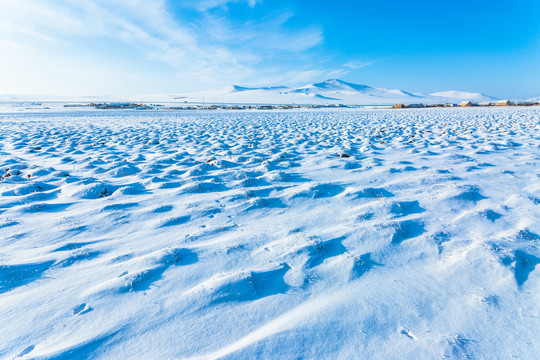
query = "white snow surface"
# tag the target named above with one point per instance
(376, 234)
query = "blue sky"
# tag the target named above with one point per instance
(129, 47)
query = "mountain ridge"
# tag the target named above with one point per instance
(327, 92)
(330, 91)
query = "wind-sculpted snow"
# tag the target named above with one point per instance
(281, 235)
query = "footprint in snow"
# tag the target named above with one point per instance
(408, 333)
(82, 309)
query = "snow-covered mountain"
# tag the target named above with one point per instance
(333, 91)
(453, 94)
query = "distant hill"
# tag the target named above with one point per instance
(332, 91)
(328, 92)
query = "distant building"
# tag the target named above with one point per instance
(407, 106)
(503, 103)
(466, 104)
(119, 105)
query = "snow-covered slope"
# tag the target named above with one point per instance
(462, 95)
(333, 91)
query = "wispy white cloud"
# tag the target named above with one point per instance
(205, 5)
(173, 52)
(358, 64)
(266, 35)
(297, 76)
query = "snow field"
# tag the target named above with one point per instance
(311, 234)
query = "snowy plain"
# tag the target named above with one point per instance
(369, 234)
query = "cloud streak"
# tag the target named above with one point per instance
(358, 64)
(206, 5)
(173, 50)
